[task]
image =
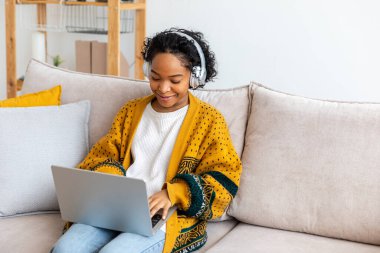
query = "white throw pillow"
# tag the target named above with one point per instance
(31, 140)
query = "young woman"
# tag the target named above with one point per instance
(179, 145)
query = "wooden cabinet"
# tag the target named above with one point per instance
(113, 56)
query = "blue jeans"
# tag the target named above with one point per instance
(85, 239)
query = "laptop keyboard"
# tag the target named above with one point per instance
(155, 219)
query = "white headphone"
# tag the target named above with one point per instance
(198, 73)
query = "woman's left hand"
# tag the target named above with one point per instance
(159, 200)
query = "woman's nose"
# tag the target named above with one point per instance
(164, 87)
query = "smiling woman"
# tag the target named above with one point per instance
(179, 145)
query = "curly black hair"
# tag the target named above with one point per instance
(170, 42)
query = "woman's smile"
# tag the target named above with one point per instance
(165, 96)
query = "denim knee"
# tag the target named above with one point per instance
(64, 248)
(83, 239)
(133, 243)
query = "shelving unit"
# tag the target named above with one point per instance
(113, 55)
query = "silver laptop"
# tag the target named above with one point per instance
(106, 201)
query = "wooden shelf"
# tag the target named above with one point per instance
(123, 6)
(36, 2)
(133, 6)
(113, 57)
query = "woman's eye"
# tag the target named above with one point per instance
(176, 82)
(155, 78)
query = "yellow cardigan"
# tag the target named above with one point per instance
(203, 173)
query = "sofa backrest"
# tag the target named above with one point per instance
(107, 95)
(308, 165)
(311, 166)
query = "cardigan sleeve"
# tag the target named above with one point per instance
(105, 155)
(207, 191)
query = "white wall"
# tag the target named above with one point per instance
(323, 49)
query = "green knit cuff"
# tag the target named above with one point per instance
(198, 197)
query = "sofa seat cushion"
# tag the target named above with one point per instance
(249, 238)
(216, 231)
(30, 233)
(38, 233)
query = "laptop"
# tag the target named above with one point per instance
(106, 201)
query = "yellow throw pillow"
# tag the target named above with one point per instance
(42, 98)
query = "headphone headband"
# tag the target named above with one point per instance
(202, 74)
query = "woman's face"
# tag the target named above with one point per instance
(169, 81)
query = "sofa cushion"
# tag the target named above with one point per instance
(249, 238)
(311, 166)
(31, 140)
(30, 233)
(41, 98)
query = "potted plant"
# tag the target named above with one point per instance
(57, 60)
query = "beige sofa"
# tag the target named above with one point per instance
(311, 168)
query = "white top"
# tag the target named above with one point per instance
(152, 146)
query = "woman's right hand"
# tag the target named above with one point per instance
(159, 200)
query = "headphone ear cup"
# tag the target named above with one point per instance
(195, 77)
(146, 69)
(194, 81)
